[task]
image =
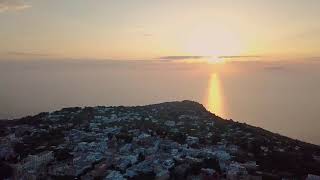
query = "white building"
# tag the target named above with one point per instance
(192, 140)
(33, 162)
(170, 123)
(312, 177)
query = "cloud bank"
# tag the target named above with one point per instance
(181, 57)
(236, 57)
(17, 53)
(13, 5)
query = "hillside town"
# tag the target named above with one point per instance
(174, 140)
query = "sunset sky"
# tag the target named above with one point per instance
(148, 29)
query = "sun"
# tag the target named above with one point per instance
(215, 60)
(213, 41)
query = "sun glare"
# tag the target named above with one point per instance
(214, 96)
(215, 60)
(214, 41)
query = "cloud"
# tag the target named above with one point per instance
(13, 5)
(237, 57)
(314, 58)
(173, 58)
(141, 31)
(17, 53)
(147, 34)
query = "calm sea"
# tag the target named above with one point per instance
(280, 96)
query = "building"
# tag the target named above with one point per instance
(30, 165)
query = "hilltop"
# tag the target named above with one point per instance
(172, 140)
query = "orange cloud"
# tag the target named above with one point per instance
(15, 5)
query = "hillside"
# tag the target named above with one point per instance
(172, 140)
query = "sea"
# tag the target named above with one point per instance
(282, 96)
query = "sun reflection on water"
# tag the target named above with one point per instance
(214, 96)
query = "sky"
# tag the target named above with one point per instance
(144, 29)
